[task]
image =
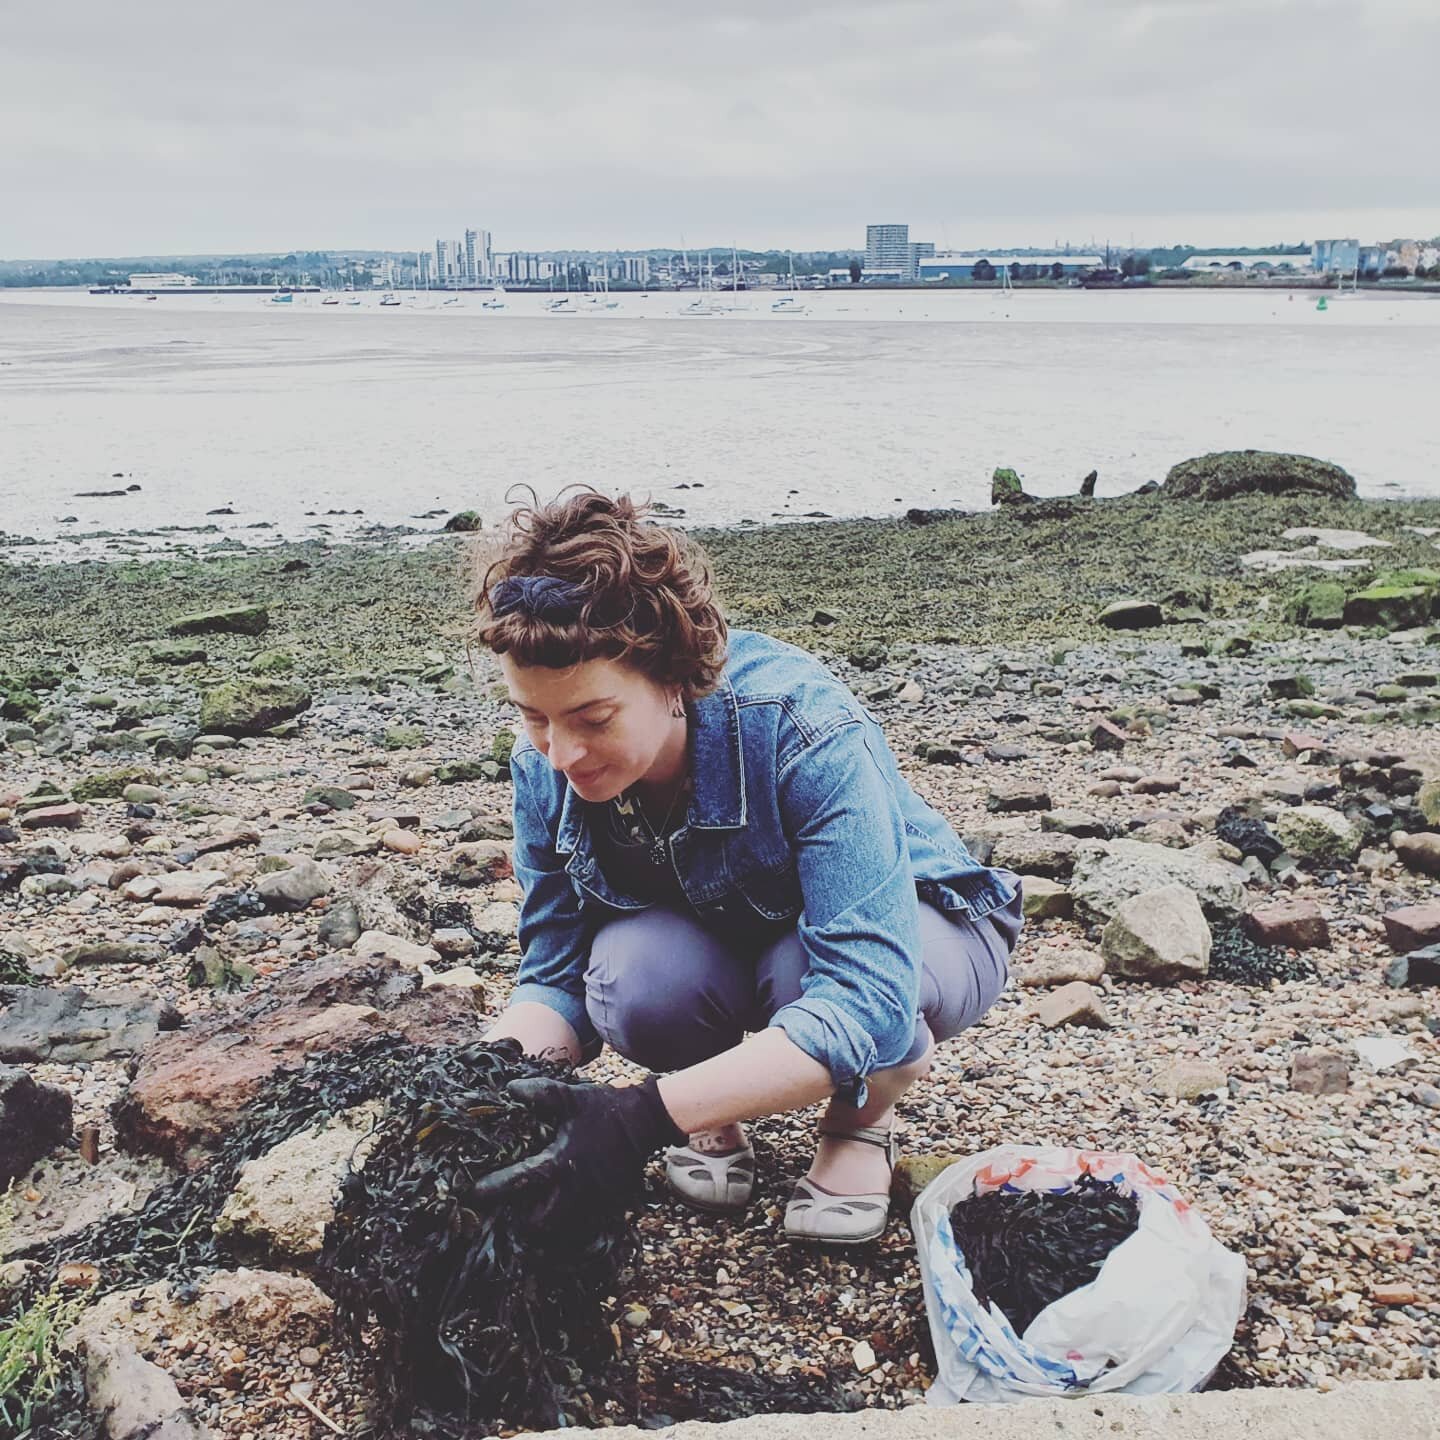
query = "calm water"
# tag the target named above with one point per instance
(864, 405)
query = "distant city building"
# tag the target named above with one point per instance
(518, 268)
(449, 262)
(890, 253)
(424, 268)
(636, 269)
(1374, 259)
(887, 247)
(161, 282)
(1335, 257)
(1246, 262)
(478, 260)
(959, 265)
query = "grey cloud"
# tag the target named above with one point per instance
(177, 128)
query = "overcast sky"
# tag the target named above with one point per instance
(165, 127)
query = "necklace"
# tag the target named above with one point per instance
(658, 851)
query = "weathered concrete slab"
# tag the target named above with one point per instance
(1395, 1409)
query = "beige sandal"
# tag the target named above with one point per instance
(815, 1213)
(717, 1184)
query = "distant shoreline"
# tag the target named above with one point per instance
(1003, 576)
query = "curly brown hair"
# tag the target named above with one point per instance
(647, 593)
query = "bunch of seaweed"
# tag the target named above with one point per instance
(1026, 1249)
(469, 1319)
(467, 1313)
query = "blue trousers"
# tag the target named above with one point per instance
(667, 993)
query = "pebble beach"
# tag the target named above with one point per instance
(1286, 1080)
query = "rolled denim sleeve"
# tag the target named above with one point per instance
(555, 935)
(860, 923)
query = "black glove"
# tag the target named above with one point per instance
(604, 1134)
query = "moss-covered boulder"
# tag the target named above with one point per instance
(1228, 473)
(250, 707)
(231, 620)
(502, 746)
(167, 652)
(112, 784)
(1131, 615)
(464, 523)
(1006, 489)
(19, 703)
(1319, 605)
(272, 662)
(1391, 607)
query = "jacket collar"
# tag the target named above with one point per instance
(717, 768)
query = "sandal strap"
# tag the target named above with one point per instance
(881, 1136)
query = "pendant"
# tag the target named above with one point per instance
(658, 853)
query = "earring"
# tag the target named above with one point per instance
(677, 711)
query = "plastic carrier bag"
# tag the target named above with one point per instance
(1159, 1317)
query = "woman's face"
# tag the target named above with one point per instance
(602, 723)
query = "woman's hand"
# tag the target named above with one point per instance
(604, 1134)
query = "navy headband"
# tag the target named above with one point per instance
(545, 597)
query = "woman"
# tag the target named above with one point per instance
(725, 876)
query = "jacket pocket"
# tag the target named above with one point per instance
(772, 894)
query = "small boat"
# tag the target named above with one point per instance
(453, 300)
(388, 299)
(152, 297)
(704, 307)
(789, 305)
(331, 300)
(1321, 304)
(283, 297)
(354, 300)
(561, 305)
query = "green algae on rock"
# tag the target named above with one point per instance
(250, 707)
(231, 620)
(1225, 474)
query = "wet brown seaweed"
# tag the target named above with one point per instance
(1026, 1249)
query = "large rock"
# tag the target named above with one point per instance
(68, 1025)
(191, 1086)
(1225, 474)
(1409, 928)
(253, 1309)
(1033, 852)
(1391, 607)
(112, 784)
(131, 1398)
(1160, 936)
(34, 1118)
(250, 707)
(1108, 873)
(232, 620)
(1420, 853)
(1046, 899)
(284, 1199)
(1058, 965)
(294, 887)
(1318, 605)
(1131, 615)
(377, 945)
(1077, 1003)
(480, 863)
(1294, 924)
(1316, 832)
(1006, 489)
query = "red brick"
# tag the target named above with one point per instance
(1295, 924)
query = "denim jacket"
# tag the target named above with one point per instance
(799, 818)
